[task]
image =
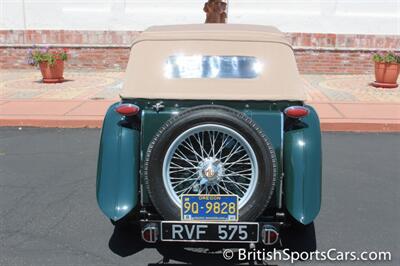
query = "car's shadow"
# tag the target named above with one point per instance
(123, 241)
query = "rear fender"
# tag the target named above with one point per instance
(118, 167)
(303, 169)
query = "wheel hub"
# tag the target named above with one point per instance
(210, 171)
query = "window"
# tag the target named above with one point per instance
(212, 67)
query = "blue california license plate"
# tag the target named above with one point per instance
(209, 208)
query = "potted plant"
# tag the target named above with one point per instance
(50, 62)
(387, 68)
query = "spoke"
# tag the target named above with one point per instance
(224, 189)
(201, 190)
(233, 148)
(175, 165)
(245, 176)
(215, 137)
(212, 137)
(181, 167)
(185, 190)
(190, 143)
(239, 163)
(238, 150)
(238, 160)
(197, 139)
(184, 157)
(190, 149)
(181, 170)
(224, 139)
(229, 180)
(230, 192)
(179, 182)
(244, 185)
(177, 178)
(237, 185)
(177, 157)
(234, 151)
(242, 172)
(235, 175)
(188, 178)
(211, 189)
(203, 145)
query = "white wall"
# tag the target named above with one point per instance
(334, 16)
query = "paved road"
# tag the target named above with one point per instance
(49, 214)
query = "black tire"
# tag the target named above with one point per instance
(219, 115)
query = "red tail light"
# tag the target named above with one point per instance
(127, 109)
(150, 233)
(296, 111)
(270, 235)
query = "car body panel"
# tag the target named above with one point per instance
(303, 169)
(266, 115)
(118, 167)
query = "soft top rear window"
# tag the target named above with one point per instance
(212, 67)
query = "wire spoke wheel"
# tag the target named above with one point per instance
(213, 150)
(210, 159)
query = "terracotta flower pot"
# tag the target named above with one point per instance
(54, 73)
(387, 73)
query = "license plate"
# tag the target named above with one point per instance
(209, 208)
(209, 232)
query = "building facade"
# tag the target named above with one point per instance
(329, 36)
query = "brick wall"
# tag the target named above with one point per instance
(315, 53)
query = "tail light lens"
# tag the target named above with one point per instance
(127, 109)
(150, 233)
(270, 235)
(296, 111)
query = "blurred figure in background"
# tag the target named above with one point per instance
(216, 11)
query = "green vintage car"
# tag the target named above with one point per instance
(212, 145)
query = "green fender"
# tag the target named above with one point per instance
(118, 167)
(303, 169)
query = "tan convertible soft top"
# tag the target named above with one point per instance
(278, 80)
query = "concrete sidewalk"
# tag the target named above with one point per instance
(343, 102)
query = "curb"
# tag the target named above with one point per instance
(360, 127)
(97, 121)
(52, 123)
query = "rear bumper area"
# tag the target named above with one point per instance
(199, 233)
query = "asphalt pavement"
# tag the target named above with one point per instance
(49, 214)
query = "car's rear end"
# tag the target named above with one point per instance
(211, 142)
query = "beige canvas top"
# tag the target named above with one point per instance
(276, 79)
